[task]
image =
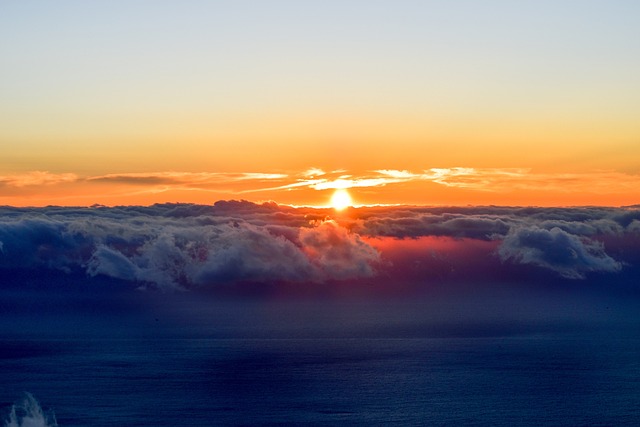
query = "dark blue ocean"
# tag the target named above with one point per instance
(145, 359)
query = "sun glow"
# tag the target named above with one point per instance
(341, 200)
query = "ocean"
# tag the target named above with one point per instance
(180, 360)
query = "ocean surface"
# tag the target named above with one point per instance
(180, 361)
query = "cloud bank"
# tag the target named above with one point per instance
(184, 246)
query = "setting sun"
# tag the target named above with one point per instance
(341, 200)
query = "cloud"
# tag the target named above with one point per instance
(187, 179)
(417, 224)
(510, 179)
(567, 241)
(37, 178)
(34, 242)
(490, 222)
(477, 179)
(634, 227)
(557, 250)
(403, 174)
(251, 253)
(186, 246)
(112, 263)
(313, 172)
(338, 253)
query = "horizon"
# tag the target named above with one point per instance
(328, 205)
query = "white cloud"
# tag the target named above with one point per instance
(557, 250)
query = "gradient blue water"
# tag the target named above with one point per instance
(534, 380)
(494, 361)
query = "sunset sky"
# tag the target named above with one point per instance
(399, 102)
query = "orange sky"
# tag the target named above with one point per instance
(314, 187)
(402, 103)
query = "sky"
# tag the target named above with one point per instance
(531, 103)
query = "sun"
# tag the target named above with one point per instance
(341, 200)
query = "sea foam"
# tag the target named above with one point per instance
(28, 413)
